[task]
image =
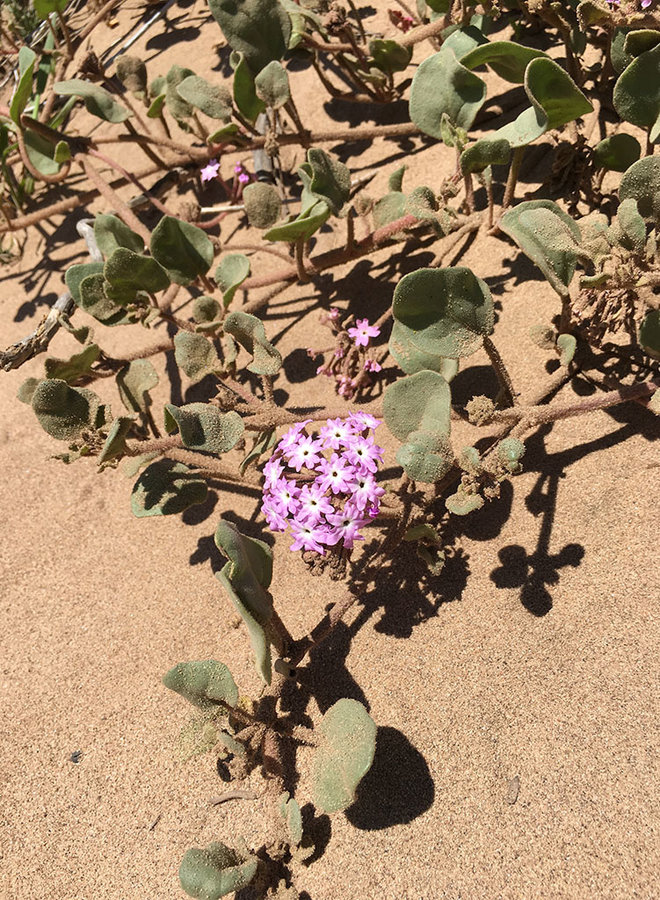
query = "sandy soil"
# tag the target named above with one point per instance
(516, 695)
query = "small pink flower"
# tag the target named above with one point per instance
(370, 365)
(210, 171)
(305, 453)
(363, 332)
(336, 475)
(333, 313)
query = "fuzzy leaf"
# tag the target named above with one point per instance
(64, 411)
(195, 355)
(132, 73)
(290, 812)
(71, 369)
(628, 228)
(206, 684)
(93, 300)
(325, 179)
(260, 29)
(641, 182)
(134, 382)
(395, 181)
(442, 85)
(567, 346)
(203, 427)
(417, 411)
(40, 153)
(258, 636)
(97, 100)
(213, 101)
(462, 504)
(637, 92)
(249, 331)
(617, 152)
(230, 274)
(215, 871)
(205, 310)
(263, 442)
(484, 153)
(166, 488)
(548, 236)
(272, 85)
(110, 233)
(179, 107)
(439, 313)
(75, 274)
(127, 272)
(262, 204)
(23, 89)
(181, 248)
(245, 94)
(649, 332)
(388, 56)
(389, 208)
(508, 59)
(115, 443)
(302, 226)
(555, 100)
(345, 756)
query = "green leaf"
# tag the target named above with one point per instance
(64, 411)
(155, 111)
(203, 427)
(212, 100)
(420, 402)
(326, 179)
(272, 85)
(642, 182)
(206, 310)
(97, 100)
(389, 208)
(417, 411)
(555, 100)
(40, 153)
(439, 313)
(628, 228)
(442, 85)
(637, 92)
(206, 684)
(640, 40)
(290, 812)
(506, 58)
(649, 332)
(230, 274)
(395, 181)
(345, 756)
(134, 382)
(249, 331)
(181, 248)
(245, 95)
(251, 568)
(73, 368)
(548, 236)
(127, 272)
(567, 346)
(246, 578)
(484, 153)
(263, 442)
(215, 871)
(179, 107)
(302, 226)
(260, 29)
(166, 488)
(43, 8)
(132, 73)
(94, 300)
(62, 152)
(27, 389)
(23, 90)
(111, 233)
(115, 443)
(617, 152)
(262, 204)
(195, 355)
(388, 56)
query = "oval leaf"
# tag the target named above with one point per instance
(181, 248)
(249, 331)
(203, 427)
(166, 488)
(206, 684)
(231, 273)
(195, 355)
(215, 871)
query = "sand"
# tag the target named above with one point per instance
(516, 694)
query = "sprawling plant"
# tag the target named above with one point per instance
(593, 230)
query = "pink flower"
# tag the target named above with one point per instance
(210, 171)
(305, 453)
(333, 313)
(361, 420)
(337, 433)
(364, 454)
(284, 494)
(313, 504)
(366, 491)
(291, 437)
(363, 332)
(645, 3)
(308, 537)
(370, 365)
(336, 475)
(346, 526)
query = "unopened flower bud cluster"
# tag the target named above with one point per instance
(353, 360)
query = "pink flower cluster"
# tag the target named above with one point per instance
(324, 487)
